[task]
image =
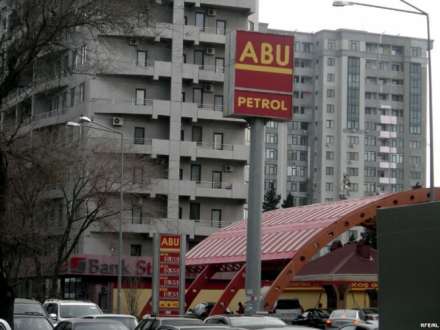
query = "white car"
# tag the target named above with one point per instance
(60, 310)
(128, 320)
(4, 325)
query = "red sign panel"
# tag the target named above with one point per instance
(169, 275)
(260, 80)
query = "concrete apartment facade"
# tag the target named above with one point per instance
(359, 117)
(162, 86)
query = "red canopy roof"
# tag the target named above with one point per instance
(284, 231)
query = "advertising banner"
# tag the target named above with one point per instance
(259, 79)
(169, 275)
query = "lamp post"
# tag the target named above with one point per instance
(84, 120)
(416, 11)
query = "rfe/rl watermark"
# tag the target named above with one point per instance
(429, 325)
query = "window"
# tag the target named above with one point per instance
(330, 139)
(331, 61)
(271, 154)
(140, 96)
(217, 179)
(82, 92)
(251, 26)
(329, 186)
(271, 138)
(354, 187)
(352, 156)
(72, 96)
(353, 140)
(139, 135)
(330, 92)
(218, 103)
(370, 187)
(196, 172)
(415, 175)
(220, 64)
(330, 108)
(197, 134)
(416, 51)
(83, 59)
(198, 96)
(200, 21)
(396, 67)
(329, 155)
(330, 171)
(194, 211)
(198, 57)
(141, 59)
(397, 98)
(352, 171)
(353, 92)
(330, 77)
(370, 156)
(370, 140)
(415, 144)
(218, 141)
(354, 45)
(135, 250)
(272, 124)
(216, 218)
(136, 215)
(270, 170)
(370, 172)
(415, 161)
(220, 27)
(331, 44)
(329, 123)
(138, 175)
(54, 103)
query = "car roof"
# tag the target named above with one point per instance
(103, 316)
(71, 302)
(25, 301)
(84, 321)
(168, 317)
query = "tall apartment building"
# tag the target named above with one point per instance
(359, 117)
(162, 87)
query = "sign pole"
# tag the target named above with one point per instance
(155, 280)
(255, 202)
(182, 284)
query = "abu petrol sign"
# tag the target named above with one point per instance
(259, 80)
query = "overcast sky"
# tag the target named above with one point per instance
(315, 15)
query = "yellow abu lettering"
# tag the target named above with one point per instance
(266, 53)
(285, 61)
(241, 100)
(248, 52)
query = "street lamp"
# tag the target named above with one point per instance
(83, 120)
(417, 11)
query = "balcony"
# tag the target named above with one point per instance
(205, 111)
(386, 180)
(208, 35)
(387, 165)
(250, 6)
(388, 150)
(157, 31)
(387, 135)
(130, 106)
(223, 151)
(153, 68)
(197, 72)
(391, 120)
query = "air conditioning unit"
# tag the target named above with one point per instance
(118, 121)
(212, 12)
(132, 42)
(209, 88)
(228, 168)
(210, 51)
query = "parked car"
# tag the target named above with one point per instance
(287, 309)
(128, 320)
(23, 306)
(4, 325)
(153, 323)
(199, 327)
(60, 310)
(90, 324)
(312, 317)
(359, 327)
(343, 317)
(247, 322)
(31, 321)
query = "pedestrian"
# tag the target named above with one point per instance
(240, 309)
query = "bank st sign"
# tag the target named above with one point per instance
(259, 75)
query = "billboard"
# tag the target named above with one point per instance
(169, 275)
(259, 76)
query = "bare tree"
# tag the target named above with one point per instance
(33, 33)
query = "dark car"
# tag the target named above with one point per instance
(343, 317)
(247, 322)
(31, 321)
(200, 327)
(359, 327)
(28, 306)
(312, 317)
(153, 323)
(90, 324)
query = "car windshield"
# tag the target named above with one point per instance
(34, 323)
(129, 322)
(28, 308)
(344, 314)
(250, 321)
(99, 326)
(288, 304)
(73, 311)
(181, 322)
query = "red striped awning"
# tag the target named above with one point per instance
(283, 232)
